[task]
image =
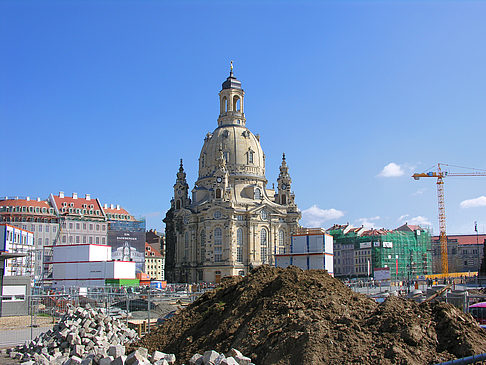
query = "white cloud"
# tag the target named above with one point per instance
(315, 216)
(419, 192)
(419, 221)
(403, 217)
(474, 203)
(368, 222)
(391, 170)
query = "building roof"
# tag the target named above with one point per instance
(375, 232)
(409, 228)
(75, 205)
(151, 251)
(115, 212)
(28, 203)
(464, 239)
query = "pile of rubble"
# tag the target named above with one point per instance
(80, 334)
(87, 336)
(291, 316)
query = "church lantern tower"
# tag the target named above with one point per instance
(181, 190)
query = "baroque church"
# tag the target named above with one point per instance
(232, 222)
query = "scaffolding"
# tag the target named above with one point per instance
(406, 253)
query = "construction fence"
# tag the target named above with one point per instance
(141, 310)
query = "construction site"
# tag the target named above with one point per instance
(271, 316)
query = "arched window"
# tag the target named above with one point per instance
(218, 193)
(218, 245)
(250, 156)
(186, 246)
(284, 199)
(239, 245)
(236, 104)
(178, 204)
(263, 245)
(224, 108)
(203, 245)
(281, 242)
(257, 193)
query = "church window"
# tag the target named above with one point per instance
(264, 214)
(240, 217)
(186, 219)
(178, 204)
(236, 104)
(250, 156)
(226, 156)
(284, 199)
(257, 193)
(218, 193)
(217, 214)
(281, 242)
(186, 245)
(239, 245)
(264, 245)
(203, 245)
(218, 245)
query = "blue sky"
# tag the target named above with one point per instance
(104, 97)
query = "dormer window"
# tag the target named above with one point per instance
(71, 204)
(257, 193)
(64, 204)
(91, 206)
(250, 156)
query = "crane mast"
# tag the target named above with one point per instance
(442, 223)
(439, 174)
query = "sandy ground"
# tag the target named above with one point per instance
(16, 322)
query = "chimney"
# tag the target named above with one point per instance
(75, 195)
(106, 206)
(61, 194)
(38, 199)
(112, 206)
(117, 207)
(16, 198)
(88, 196)
(28, 198)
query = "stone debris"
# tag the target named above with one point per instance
(86, 336)
(82, 336)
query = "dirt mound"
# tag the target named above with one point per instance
(290, 316)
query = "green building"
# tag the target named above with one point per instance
(358, 252)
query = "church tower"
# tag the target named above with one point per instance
(181, 190)
(233, 221)
(284, 196)
(231, 96)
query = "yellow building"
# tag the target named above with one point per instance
(154, 266)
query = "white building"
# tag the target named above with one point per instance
(18, 240)
(85, 265)
(309, 249)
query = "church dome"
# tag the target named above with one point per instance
(241, 150)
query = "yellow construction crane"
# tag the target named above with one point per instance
(440, 174)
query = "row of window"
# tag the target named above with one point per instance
(84, 239)
(91, 226)
(27, 209)
(226, 155)
(80, 211)
(39, 228)
(17, 238)
(218, 244)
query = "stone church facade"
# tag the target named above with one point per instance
(233, 222)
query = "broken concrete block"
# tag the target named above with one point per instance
(210, 357)
(196, 359)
